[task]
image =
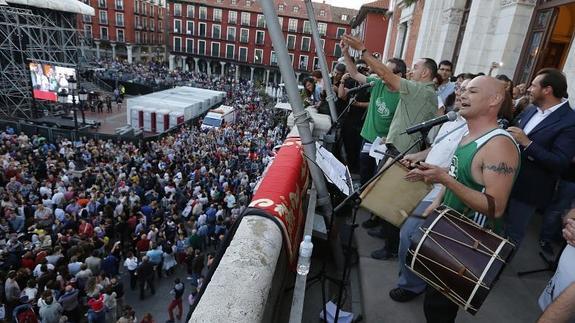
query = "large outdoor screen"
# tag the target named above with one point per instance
(48, 79)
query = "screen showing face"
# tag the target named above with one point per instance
(48, 79)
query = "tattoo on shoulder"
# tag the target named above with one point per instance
(502, 169)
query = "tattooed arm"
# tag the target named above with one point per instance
(494, 166)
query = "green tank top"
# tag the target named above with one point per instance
(460, 169)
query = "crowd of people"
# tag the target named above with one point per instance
(77, 215)
(509, 153)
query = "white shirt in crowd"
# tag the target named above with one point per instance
(131, 263)
(539, 116)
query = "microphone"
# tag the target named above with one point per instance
(426, 125)
(361, 87)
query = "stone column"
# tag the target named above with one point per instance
(129, 48)
(209, 67)
(196, 65)
(186, 66)
(267, 77)
(237, 72)
(183, 62)
(223, 65)
(97, 42)
(252, 74)
(297, 75)
(172, 62)
(113, 51)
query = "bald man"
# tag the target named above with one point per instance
(481, 174)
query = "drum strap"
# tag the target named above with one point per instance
(490, 206)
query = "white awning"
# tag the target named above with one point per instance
(73, 6)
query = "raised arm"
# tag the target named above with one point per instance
(391, 79)
(350, 66)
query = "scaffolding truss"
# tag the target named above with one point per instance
(27, 35)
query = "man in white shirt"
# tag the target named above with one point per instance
(545, 132)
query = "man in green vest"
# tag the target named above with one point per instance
(481, 174)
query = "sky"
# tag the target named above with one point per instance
(353, 4)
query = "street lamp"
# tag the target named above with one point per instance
(83, 97)
(72, 85)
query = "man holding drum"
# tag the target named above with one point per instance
(481, 175)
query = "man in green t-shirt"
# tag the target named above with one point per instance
(417, 103)
(380, 110)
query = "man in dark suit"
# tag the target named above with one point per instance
(546, 135)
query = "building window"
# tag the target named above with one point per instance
(306, 27)
(177, 26)
(246, 16)
(230, 51)
(119, 19)
(104, 33)
(215, 49)
(177, 44)
(202, 47)
(248, 3)
(137, 23)
(296, 9)
(161, 26)
(234, 2)
(190, 12)
(189, 46)
(292, 25)
(120, 35)
(322, 43)
(152, 25)
(202, 29)
(303, 62)
(136, 6)
(231, 36)
(281, 7)
(291, 42)
(291, 58)
(119, 4)
(244, 35)
(177, 9)
(103, 17)
(315, 63)
(203, 13)
(258, 56)
(322, 13)
(305, 44)
(273, 59)
(216, 31)
(145, 23)
(260, 37)
(88, 31)
(343, 17)
(340, 32)
(243, 56)
(217, 15)
(102, 4)
(232, 17)
(86, 18)
(190, 27)
(322, 28)
(337, 50)
(138, 37)
(261, 23)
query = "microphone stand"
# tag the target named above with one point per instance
(355, 199)
(337, 124)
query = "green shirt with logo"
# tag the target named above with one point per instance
(380, 111)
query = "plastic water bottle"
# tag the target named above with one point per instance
(305, 250)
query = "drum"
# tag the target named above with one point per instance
(458, 257)
(393, 198)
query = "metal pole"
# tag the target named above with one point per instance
(301, 117)
(322, 61)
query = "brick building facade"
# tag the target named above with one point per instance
(229, 37)
(125, 29)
